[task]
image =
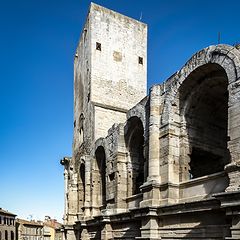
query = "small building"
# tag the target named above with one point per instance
(59, 233)
(29, 230)
(51, 229)
(7, 225)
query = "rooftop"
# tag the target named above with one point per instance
(32, 222)
(5, 212)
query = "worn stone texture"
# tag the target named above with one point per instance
(162, 166)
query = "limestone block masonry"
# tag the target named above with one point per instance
(159, 166)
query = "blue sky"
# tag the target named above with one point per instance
(37, 45)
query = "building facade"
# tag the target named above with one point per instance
(52, 229)
(159, 166)
(7, 225)
(29, 230)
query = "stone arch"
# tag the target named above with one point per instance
(12, 235)
(99, 178)
(228, 57)
(203, 113)
(215, 62)
(81, 185)
(100, 142)
(6, 235)
(134, 137)
(140, 112)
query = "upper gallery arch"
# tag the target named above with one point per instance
(225, 56)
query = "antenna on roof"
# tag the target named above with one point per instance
(219, 37)
(140, 16)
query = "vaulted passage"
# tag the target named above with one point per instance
(81, 187)
(204, 114)
(101, 175)
(135, 142)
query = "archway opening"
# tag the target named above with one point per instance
(101, 174)
(82, 176)
(204, 122)
(135, 143)
(82, 184)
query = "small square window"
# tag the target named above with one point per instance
(98, 46)
(140, 60)
(112, 176)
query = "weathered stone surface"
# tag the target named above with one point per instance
(162, 166)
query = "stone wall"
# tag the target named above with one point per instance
(163, 166)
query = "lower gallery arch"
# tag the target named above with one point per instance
(100, 177)
(135, 144)
(81, 186)
(203, 104)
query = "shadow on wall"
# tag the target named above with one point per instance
(204, 117)
(207, 225)
(134, 138)
(203, 102)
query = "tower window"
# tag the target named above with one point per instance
(112, 176)
(140, 60)
(98, 46)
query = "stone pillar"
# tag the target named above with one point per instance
(230, 202)
(106, 233)
(154, 121)
(235, 228)
(95, 189)
(87, 202)
(121, 180)
(70, 235)
(65, 195)
(72, 199)
(65, 162)
(84, 232)
(233, 169)
(149, 229)
(150, 189)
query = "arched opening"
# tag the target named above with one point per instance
(82, 177)
(135, 144)
(6, 235)
(12, 235)
(101, 175)
(0, 235)
(81, 186)
(203, 106)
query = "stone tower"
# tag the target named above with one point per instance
(110, 68)
(109, 73)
